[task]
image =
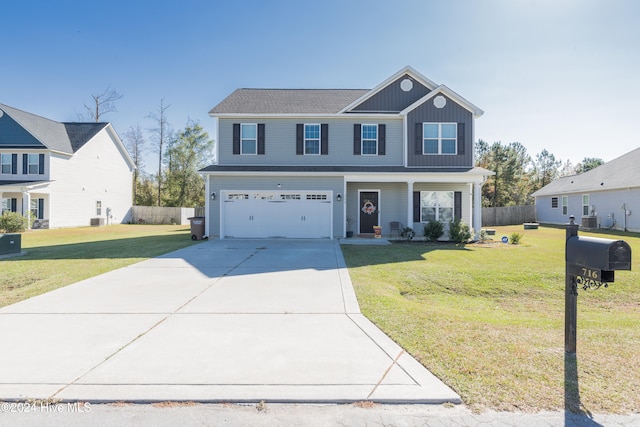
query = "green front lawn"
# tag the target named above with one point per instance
(59, 257)
(489, 320)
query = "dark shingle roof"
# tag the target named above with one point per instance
(287, 101)
(63, 137)
(80, 133)
(622, 172)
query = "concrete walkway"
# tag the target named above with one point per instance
(221, 321)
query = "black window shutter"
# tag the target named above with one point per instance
(418, 138)
(14, 205)
(261, 138)
(40, 208)
(457, 205)
(25, 163)
(299, 139)
(41, 165)
(357, 142)
(236, 138)
(14, 164)
(382, 140)
(416, 206)
(460, 138)
(324, 139)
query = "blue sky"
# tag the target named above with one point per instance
(555, 74)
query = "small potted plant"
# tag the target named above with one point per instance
(349, 231)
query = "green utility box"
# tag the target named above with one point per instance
(10, 244)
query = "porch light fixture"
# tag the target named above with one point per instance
(213, 195)
(279, 185)
(339, 197)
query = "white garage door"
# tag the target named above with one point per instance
(293, 214)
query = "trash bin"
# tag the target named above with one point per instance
(197, 227)
(377, 231)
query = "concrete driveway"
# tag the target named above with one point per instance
(224, 320)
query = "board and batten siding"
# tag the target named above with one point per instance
(218, 183)
(450, 113)
(96, 172)
(392, 98)
(280, 143)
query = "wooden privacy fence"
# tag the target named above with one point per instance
(161, 215)
(509, 215)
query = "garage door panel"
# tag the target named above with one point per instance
(259, 214)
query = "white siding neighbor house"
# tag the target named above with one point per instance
(319, 163)
(604, 197)
(63, 174)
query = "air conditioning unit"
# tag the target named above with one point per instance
(590, 222)
(97, 222)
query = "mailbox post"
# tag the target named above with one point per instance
(590, 262)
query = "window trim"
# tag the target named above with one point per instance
(242, 139)
(438, 207)
(30, 164)
(362, 139)
(305, 139)
(2, 164)
(586, 205)
(565, 205)
(440, 139)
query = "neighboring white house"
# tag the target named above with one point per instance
(321, 163)
(63, 174)
(605, 197)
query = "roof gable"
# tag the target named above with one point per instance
(12, 135)
(444, 90)
(619, 173)
(21, 129)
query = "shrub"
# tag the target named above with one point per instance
(433, 230)
(459, 232)
(13, 222)
(484, 236)
(407, 233)
(515, 238)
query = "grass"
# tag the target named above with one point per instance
(59, 257)
(489, 321)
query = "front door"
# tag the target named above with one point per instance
(368, 211)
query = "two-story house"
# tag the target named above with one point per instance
(63, 174)
(316, 163)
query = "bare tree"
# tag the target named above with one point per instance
(160, 135)
(102, 104)
(135, 143)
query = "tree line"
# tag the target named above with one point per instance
(175, 181)
(518, 175)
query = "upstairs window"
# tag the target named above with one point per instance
(5, 162)
(34, 164)
(312, 139)
(439, 138)
(370, 139)
(248, 138)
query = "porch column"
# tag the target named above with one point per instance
(26, 206)
(409, 204)
(477, 208)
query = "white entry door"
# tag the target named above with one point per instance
(260, 214)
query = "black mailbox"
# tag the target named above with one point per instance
(596, 258)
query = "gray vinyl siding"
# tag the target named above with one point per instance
(451, 113)
(466, 201)
(280, 143)
(217, 183)
(604, 202)
(392, 98)
(393, 203)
